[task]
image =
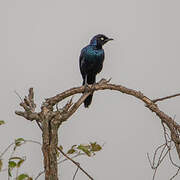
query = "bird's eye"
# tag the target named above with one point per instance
(102, 39)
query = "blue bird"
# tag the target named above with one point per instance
(91, 61)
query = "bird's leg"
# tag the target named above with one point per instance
(86, 84)
(94, 84)
(86, 80)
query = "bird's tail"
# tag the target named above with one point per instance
(88, 101)
(90, 80)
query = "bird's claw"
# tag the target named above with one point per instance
(86, 89)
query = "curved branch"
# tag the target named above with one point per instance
(103, 85)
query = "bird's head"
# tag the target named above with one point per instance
(99, 40)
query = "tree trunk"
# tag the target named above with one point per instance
(50, 142)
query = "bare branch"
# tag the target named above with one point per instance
(167, 147)
(75, 173)
(18, 96)
(59, 97)
(42, 172)
(164, 98)
(29, 115)
(52, 118)
(32, 141)
(37, 122)
(175, 174)
(172, 162)
(6, 150)
(103, 84)
(77, 155)
(76, 106)
(67, 106)
(29, 107)
(31, 99)
(74, 162)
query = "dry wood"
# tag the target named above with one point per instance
(51, 119)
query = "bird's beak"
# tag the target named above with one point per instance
(109, 39)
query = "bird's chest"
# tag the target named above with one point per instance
(95, 57)
(94, 62)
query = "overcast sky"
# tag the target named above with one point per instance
(40, 46)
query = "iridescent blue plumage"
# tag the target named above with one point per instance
(91, 61)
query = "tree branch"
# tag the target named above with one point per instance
(55, 118)
(103, 85)
(75, 173)
(76, 106)
(164, 98)
(29, 107)
(165, 149)
(74, 162)
(29, 115)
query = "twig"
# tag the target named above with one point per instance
(77, 164)
(167, 97)
(155, 153)
(174, 164)
(39, 125)
(77, 155)
(6, 150)
(18, 95)
(12, 153)
(29, 107)
(76, 106)
(175, 174)
(42, 172)
(167, 145)
(154, 174)
(160, 158)
(149, 161)
(75, 173)
(32, 141)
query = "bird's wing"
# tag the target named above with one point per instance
(82, 63)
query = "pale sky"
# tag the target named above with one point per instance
(40, 46)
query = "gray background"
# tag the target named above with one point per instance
(40, 46)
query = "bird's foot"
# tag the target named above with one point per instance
(87, 87)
